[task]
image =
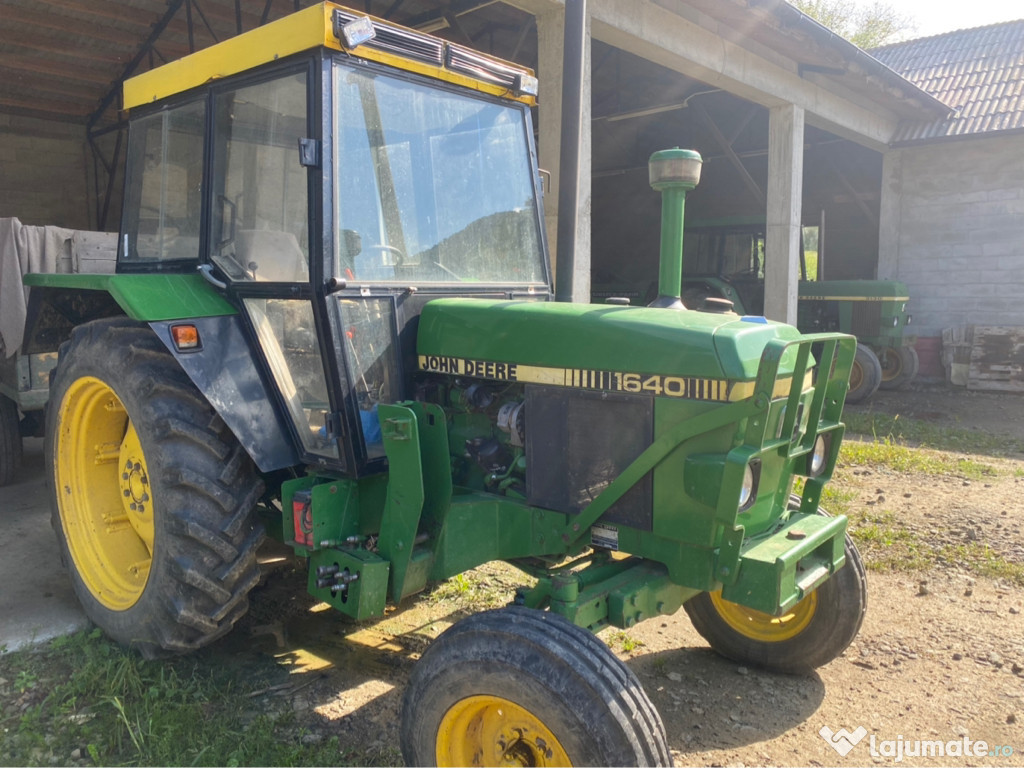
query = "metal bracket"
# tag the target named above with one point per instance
(309, 153)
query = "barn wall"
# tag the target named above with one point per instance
(42, 172)
(956, 231)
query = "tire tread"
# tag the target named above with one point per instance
(209, 486)
(551, 642)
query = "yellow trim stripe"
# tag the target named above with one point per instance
(307, 29)
(854, 298)
(683, 387)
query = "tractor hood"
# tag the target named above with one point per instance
(596, 337)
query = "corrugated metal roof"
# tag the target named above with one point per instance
(977, 72)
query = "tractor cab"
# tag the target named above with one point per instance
(331, 193)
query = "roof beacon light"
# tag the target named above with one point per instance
(358, 31)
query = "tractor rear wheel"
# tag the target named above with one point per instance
(10, 440)
(899, 367)
(811, 634)
(517, 686)
(865, 375)
(152, 496)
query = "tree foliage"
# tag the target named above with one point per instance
(867, 26)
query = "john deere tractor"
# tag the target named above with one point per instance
(331, 321)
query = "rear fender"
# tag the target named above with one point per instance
(224, 369)
(227, 374)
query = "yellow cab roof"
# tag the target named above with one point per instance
(304, 30)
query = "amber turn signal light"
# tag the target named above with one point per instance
(186, 337)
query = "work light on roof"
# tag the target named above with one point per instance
(358, 31)
(526, 84)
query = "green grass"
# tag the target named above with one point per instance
(811, 262)
(83, 692)
(887, 544)
(837, 500)
(901, 430)
(619, 640)
(492, 585)
(901, 458)
(884, 540)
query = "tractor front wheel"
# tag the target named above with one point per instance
(865, 375)
(809, 635)
(10, 440)
(899, 367)
(152, 496)
(517, 686)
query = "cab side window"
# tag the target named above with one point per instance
(260, 218)
(163, 194)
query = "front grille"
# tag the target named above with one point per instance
(866, 318)
(578, 442)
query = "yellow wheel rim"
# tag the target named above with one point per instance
(103, 494)
(856, 376)
(490, 730)
(892, 364)
(764, 627)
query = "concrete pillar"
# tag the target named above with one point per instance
(783, 231)
(550, 38)
(889, 215)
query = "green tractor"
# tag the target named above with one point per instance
(331, 322)
(728, 263)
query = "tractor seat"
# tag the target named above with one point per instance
(271, 256)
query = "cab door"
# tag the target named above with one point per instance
(262, 237)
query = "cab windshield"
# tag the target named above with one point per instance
(431, 186)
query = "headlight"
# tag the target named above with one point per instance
(748, 491)
(819, 455)
(895, 322)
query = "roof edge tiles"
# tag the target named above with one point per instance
(977, 72)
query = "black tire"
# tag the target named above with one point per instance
(865, 376)
(10, 441)
(837, 615)
(899, 367)
(204, 535)
(563, 676)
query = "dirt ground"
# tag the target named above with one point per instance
(940, 657)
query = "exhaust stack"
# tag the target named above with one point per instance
(673, 172)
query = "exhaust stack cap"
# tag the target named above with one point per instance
(675, 169)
